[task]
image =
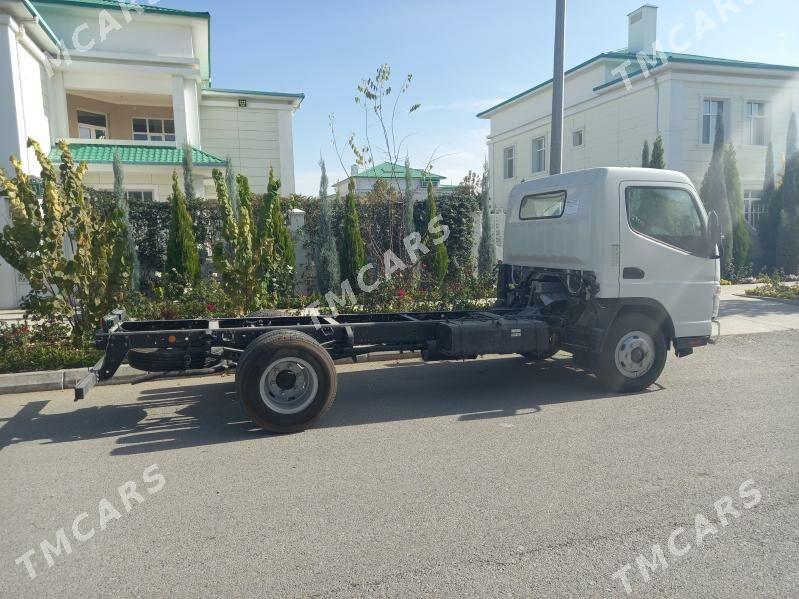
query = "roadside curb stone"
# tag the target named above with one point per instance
(60, 380)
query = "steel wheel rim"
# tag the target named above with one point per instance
(635, 354)
(288, 385)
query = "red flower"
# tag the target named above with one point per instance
(211, 307)
(400, 293)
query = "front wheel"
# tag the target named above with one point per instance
(633, 355)
(285, 381)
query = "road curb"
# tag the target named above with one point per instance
(60, 380)
(781, 300)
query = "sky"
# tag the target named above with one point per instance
(465, 56)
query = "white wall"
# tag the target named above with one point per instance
(614, 130)
(780, 99)
(250, 136)
(145, 34)
(618, 121)
(157, 179)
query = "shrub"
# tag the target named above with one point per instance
(182, 259)
(328, 272)
(274, 227)
(436, 262)
(658, 154)
(76, 286)
(487, 252)
(26, 348)
(353, 252)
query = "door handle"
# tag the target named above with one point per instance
(631, 272)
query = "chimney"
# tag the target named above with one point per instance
(643, 29)
(354, 170)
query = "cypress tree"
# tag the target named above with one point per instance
(742, 243)
(232, 184)
(714, 194)
(124, 244)
(271, 231)
(487, 251)
(658, 154)
(437, 260)
(645, 155)
(182, 259)
(328, 272)
(791, 143)
(188, 173)
(410, 225)
(769, 221)
(353, 251)
(787, 251)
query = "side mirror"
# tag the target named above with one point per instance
(714, 236)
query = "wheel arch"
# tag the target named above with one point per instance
(650, 308)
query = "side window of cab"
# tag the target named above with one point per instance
(668, 215)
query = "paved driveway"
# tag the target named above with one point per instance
(489, 478)
(741, 314)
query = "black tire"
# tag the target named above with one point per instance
(313, 377)
(612, 376)
(167, 360)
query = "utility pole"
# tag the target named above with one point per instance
(556, 152)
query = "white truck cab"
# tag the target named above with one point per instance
(634, 246)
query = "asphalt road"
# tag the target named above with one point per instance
(491, 478)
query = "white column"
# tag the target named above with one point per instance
(285, 137)
(59, 116)
(12, 139)
(12, 116)
(186, 109)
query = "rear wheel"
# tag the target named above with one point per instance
(633, 355)
(285, 381)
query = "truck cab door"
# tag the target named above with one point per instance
(663, 253)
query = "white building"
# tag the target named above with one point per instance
(133, 78)
(395, 174)
(616, 101)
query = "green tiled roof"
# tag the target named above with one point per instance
(115, 4)
(623, 55)
(397, 171)
(135, 154)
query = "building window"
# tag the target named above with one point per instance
(753, 207)
(756, 123)
(509, 162)
(146, 129)
(539, 154)
(145, 196)
(578, 138)
(711, 109)
(92, 125)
